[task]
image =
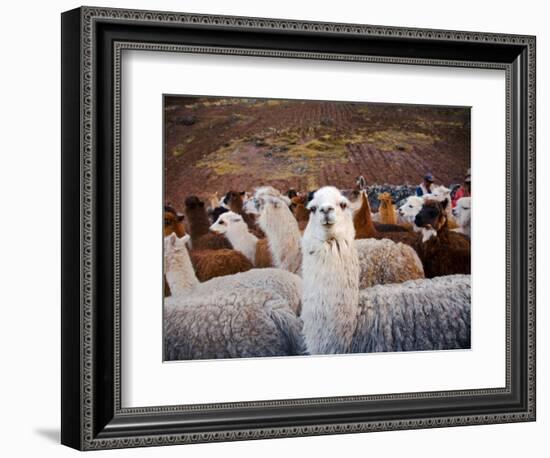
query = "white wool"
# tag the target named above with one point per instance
(385, 261)
(235, 229)
(330, 274)
(463, 212)
(282, 233)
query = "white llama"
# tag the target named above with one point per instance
(235, 229)
(279, 225)
(409, 210)
(332, 303)
(463, 212)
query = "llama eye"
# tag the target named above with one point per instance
(343, 205)
(221, 222)
(313, 209)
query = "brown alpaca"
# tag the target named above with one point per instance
(198, 226)
(217, 263)
(173, 222)
(388, 214)
(234, 200)
(301, 213)
(447, 252)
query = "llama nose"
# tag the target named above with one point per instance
(327, 209)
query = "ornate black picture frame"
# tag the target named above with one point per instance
(92, 42)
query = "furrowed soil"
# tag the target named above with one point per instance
(221, 144)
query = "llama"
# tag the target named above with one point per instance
(233, 200)
(235, 229)
(280, 227)
(387, 209)
(173, 221)
(250, 314)
(410, 209)
(199, 224)
(462, 213)
(442, 251)
(336, 315)
(214, 200)
(441, 193)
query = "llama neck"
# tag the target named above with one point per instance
(198, 223)
(236, 206)
(362, 220)
(330, 302)
(283, 236)
(243, 241)
(179, 271)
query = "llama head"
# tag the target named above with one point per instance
(385, 198)
(360, 183)
(432, 217)
(440, 193)
(263, 195)
(193, 203)
(411, 207)
(462, 211)
(173, 245)
(173, 222)
(234, 200)
(291, 193)
(228, 221)
(330, 216)
(354, 197)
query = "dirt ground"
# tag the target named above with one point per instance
(218, 144)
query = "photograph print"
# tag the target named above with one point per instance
(307, 227)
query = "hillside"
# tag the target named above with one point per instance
(216, 144)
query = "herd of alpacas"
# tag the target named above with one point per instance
(272, 274)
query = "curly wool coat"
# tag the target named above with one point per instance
(429, 314)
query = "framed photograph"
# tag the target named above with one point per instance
(269, 228)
